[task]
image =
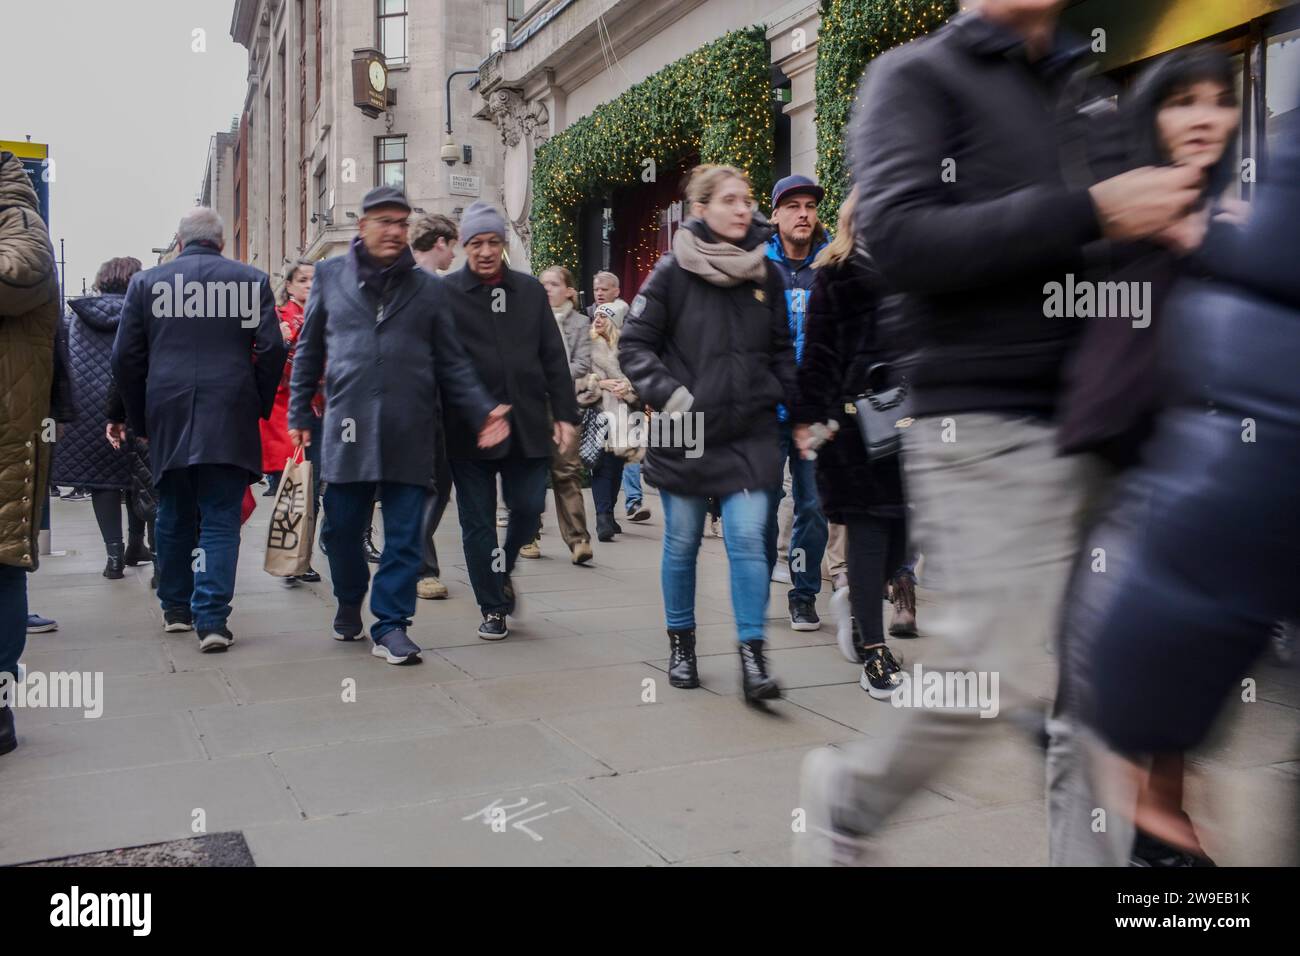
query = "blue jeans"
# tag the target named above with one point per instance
(632, 483)
(523, 485)
(605, 477)
(13, 618)
(810, 532)
(198, 507)
(349, 507)
(745, 517)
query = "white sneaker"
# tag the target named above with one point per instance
(842, 614)
(781, 573)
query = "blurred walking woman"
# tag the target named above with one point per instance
(85, 457)
(707, 338)
(844, 338)
(276, 446)
(607, 390)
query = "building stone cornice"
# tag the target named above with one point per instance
(516, 118)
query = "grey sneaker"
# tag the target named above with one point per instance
(396, 648)
(822, 783)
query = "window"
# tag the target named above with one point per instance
(391, 30)
(390, 161)
(321, 198)
(1282, 87)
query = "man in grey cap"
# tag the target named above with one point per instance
(506, 326)
(379, 330)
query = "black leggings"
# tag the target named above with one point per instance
(876, 549)
(108, 504)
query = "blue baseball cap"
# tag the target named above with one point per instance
(792, 185)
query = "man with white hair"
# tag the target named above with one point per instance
(198, 357)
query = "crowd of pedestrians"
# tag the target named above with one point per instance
(902, 378)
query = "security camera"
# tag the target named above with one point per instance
(450, 153)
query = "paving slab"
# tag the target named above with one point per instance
(540, 826)
(91, 745)
(510, 657)
(713, 728)
(134, 696)
(369, 775)
(325, 676)
(102, 811)
(551, 693)
(316, 721)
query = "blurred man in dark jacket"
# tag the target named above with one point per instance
(377, 327)
(974, 151)
(197, 358)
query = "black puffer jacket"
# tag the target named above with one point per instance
(730, 348)
(83, 456)
(845, 335)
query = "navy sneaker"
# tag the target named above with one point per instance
(396, 648)
(40, 625)
(180, 620)
(347, 622)
(215, 641)
(803, 615)
(494, 626)
(638, 512)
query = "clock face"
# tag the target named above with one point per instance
(378, 76)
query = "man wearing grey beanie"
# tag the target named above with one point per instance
(505, 323)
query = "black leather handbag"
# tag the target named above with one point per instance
(881, 414)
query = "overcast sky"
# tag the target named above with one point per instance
(127, 106)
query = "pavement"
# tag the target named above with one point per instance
(563, 744)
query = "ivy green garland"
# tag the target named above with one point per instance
(716, 101)
(854, 32)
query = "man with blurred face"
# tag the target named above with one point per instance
(980, 153)
(433, 243)
(379, 330)
(504, 321)
(799, 237)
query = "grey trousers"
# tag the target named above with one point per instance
(998, 515)
(1089, 821)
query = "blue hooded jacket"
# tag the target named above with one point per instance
(798, 279)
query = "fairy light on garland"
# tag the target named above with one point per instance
(715, 101)
(852, 34)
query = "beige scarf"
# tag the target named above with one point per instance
(720, 263)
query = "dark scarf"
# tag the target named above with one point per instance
(375, 277)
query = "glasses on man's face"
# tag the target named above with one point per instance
(384, 222)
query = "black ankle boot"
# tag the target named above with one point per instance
(116, 563)
(605, 527)
(681, 661)
(136, 552)
(8, 737)
(754, 678)
(373, 554)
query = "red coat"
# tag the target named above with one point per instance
(276, 446)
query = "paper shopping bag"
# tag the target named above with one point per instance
(293, 521)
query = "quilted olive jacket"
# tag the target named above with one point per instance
(29, 322)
